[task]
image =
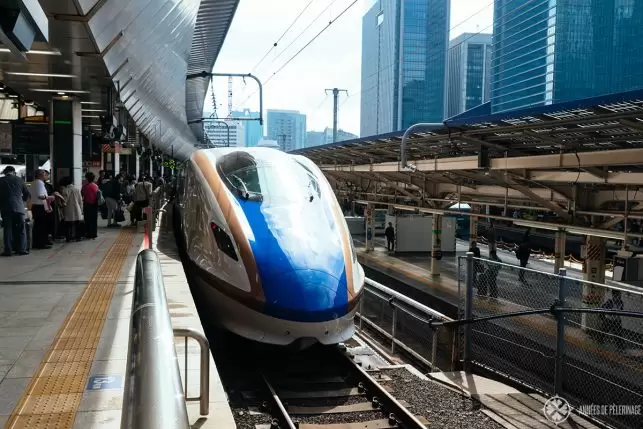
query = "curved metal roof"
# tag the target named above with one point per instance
(148, 48)
(212, 24)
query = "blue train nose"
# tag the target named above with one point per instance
(306, 296)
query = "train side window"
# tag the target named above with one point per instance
(223, 241)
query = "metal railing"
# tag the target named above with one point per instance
(564, 336)
(406, 324)
(204, 376)
(154, 395)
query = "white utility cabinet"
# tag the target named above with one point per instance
(414, 233)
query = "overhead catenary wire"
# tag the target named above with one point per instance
(388, 65)
(310, 42)
(282, 35)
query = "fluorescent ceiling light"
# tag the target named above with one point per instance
(13, 96)
(89, 102)
(94, 110)
(41, 74)
(35, 52)
(91, 116)
(71, 91)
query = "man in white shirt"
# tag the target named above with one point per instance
(39, 207)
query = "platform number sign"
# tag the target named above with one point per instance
(105, 382)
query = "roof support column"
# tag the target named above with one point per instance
(593, 295)
(559, 250)
(66, 140)
(436, 245)
(370, 227)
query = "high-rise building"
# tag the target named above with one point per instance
(288, 128)
(468, 72)
(223, 133)
(547, 52)
(317, 138)
(404, 50)
(253, 130)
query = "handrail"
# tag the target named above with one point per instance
(153, 396)
(406, 300)
(204, 376)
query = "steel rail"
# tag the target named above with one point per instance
(389, 404)
(284, 417)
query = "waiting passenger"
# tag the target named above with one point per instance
(522, 253)
(612, 324)
(72, 209)
(489, 278)
(40, 208)
(478, 268)
(390, 237)
(142, 197)
(13, 195)
(90, 196)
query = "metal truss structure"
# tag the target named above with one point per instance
(581, 160)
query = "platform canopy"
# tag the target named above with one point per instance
(544, 156)
(145, 48)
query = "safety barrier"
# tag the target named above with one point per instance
(580, 340)
(406, 324)
(154, 395)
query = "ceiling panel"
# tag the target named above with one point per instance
(160, 42)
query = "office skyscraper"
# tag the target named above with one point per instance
(468, 73)
(548, 51)
(224, 133)
(404, 49)
(288, 128)
(252, 130)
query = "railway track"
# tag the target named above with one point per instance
(342, 387)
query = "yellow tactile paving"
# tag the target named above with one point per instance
(54, 393)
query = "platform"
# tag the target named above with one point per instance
(64, 333)
(521, 346)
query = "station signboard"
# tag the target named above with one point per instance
(30, 137)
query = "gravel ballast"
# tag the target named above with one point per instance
(442, 407)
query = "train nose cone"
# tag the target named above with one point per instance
(307, 296)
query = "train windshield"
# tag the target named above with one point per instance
(275, 180)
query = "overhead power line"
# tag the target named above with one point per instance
(282, 35)
(331, 22)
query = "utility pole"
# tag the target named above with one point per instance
(336, 92)
(282, 137)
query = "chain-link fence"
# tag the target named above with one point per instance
(404, 325)
(577, 339)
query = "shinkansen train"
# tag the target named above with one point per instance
(268, 246)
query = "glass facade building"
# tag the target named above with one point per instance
(252, 130)
(550, 51)
(468, 73)
(287, 128)
(404, 49)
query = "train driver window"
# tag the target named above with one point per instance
(239, 172)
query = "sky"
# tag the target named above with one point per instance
(332, 60)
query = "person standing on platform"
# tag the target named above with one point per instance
(91, 197)
(490, 276)
(522, 253)
(13, 195)
(389, 232)
(40, 208)
(612, 324)
(72, 209)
